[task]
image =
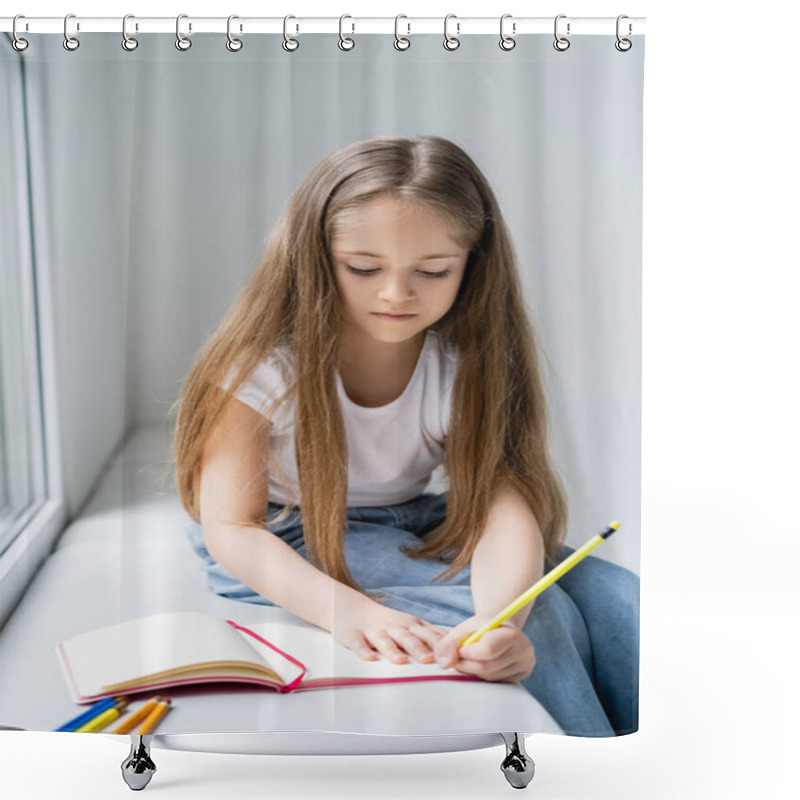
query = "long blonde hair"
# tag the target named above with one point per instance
(498, 426)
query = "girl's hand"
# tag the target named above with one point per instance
(371, 630)
(503, 654)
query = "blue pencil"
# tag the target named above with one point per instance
(96, 709)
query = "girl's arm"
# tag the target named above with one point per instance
(234, 489)
(507, 561)
(509, 557)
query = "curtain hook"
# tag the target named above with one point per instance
(561, 43)
(70, 42)
(401, 43)
(233, 44)
(451, 42)
(290, 44)
(182, 42)
(346, 43)
(128, 42)
(623, 45)
(19, 44)
(507, 42)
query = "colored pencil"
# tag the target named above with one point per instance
(127, 724)
(100, 721)
(538, 587)
(89, 714)
(154, 717)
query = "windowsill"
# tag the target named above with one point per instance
(125, 556)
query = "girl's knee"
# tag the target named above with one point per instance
(623, 590)
(602, 581)
(555, 618)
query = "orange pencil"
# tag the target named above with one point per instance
(133, 720)
(154, 716)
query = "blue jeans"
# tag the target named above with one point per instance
(585, 628)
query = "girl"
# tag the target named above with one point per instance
(383, 334)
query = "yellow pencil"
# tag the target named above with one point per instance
(538, 587)
(134, 719)
(101, 720)
(154, 716)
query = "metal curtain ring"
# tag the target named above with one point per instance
(233, 44)
(289, 44)
(401, 43)
(623, 45)
(451, 42)
(561, 43)
(344, 42)
(128, 42)
(70, 42)
(507, 42)
(181, 42)
(19, 44)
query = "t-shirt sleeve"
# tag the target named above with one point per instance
(264, 386)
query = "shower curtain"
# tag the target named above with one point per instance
(140, 186)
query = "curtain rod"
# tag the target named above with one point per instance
(457, 26)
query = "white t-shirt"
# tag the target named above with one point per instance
(392, 449)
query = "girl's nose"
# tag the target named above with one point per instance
(395, 289)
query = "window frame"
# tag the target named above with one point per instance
(41, 523)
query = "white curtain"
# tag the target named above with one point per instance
(164, 174)
(155, 178)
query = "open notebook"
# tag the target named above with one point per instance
(181, 648)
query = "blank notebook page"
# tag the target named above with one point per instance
(160, 642)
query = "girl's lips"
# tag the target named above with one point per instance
(396, 317)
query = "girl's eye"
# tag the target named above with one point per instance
(356, 271)
(442, 274)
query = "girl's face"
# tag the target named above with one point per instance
(395, 258)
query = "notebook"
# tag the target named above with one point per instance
(180, 648)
